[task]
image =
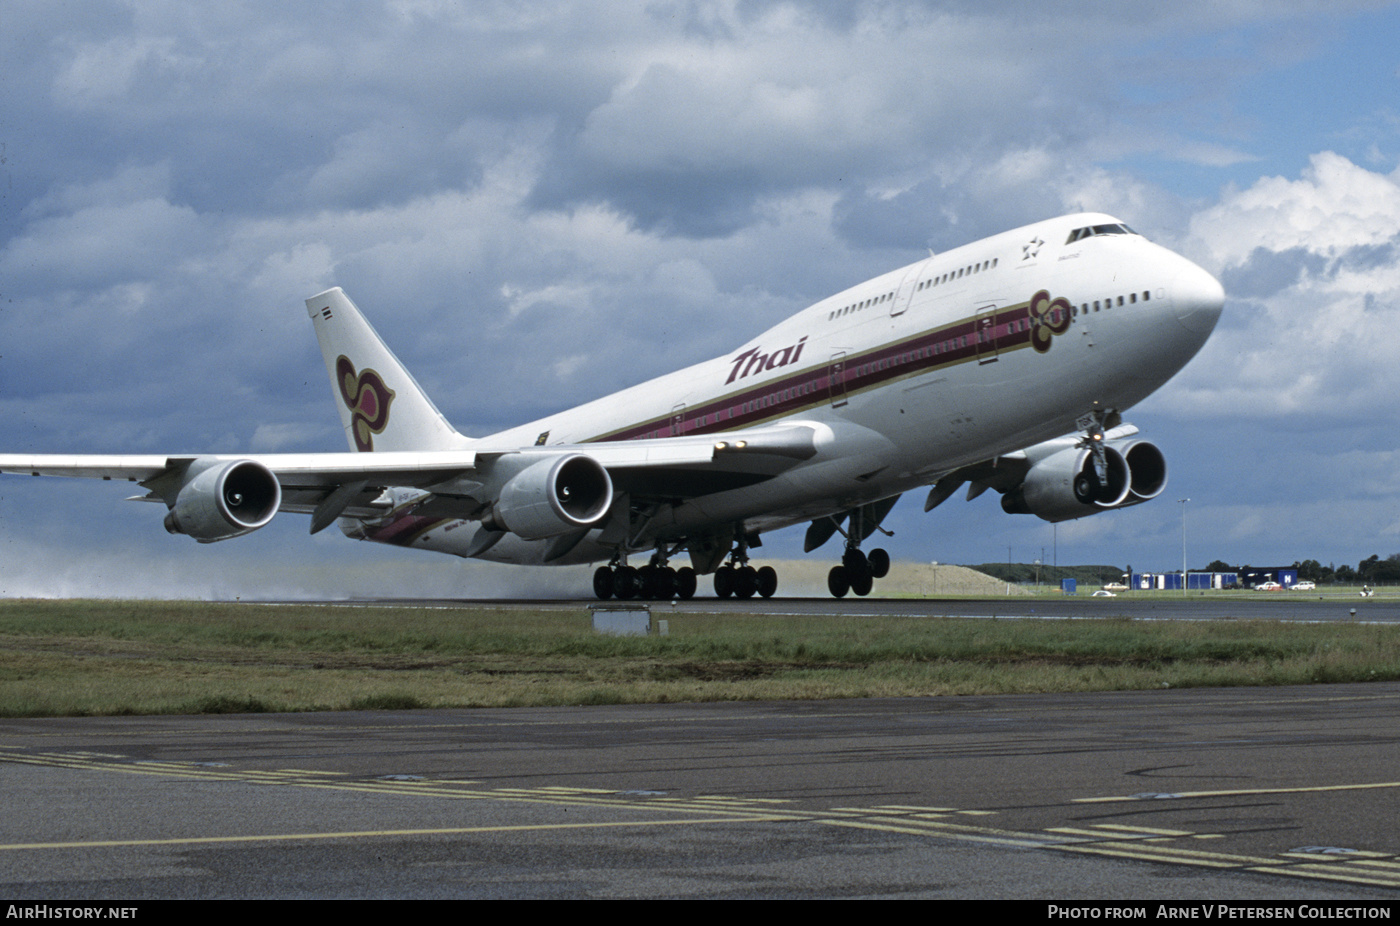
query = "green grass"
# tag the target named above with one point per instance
(143, 657)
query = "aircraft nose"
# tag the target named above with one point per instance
(1197, 298)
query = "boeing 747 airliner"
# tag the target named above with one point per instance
(1004, 364)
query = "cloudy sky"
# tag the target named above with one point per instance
(540, 203)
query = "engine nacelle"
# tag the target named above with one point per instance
(224, 498)
(555, 496)
(1148, 467)
(1065, 485)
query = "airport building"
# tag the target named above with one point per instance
(1249, 577)
(1166, 581)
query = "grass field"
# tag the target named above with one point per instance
(143, 657)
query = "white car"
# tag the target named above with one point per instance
(1304, 586)
(1268, 587)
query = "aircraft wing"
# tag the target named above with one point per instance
(322, 468)
(447, 483)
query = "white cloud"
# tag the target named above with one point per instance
(102, 244)
(97, 73)
(1333, 206)
(1310, 267)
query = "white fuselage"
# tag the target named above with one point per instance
(943, 363)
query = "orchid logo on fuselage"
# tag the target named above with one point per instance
(754, 360)
(368, 399)
(1049, 317)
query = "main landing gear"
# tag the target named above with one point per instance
(857, 572)
(741, 580)
(653, 582)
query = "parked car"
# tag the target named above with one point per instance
(1304, 586)
(1268, 587)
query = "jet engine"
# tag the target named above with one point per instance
(1148, 468)
(224, 498)
(554, 496)
(1066, 484)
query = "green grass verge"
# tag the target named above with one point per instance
(157, 657)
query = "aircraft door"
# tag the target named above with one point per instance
(904, 296)
(985, 334)
(678, 420)
(836, 379)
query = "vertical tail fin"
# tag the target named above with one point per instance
(381, 406)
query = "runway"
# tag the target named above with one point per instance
(1159, 606)
(1219, 794)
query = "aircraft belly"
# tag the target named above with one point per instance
(949, 420)
(459, 538)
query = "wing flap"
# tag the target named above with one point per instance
(689, 467)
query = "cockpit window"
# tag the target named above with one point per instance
(1092, 230)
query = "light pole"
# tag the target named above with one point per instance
(1183, 502)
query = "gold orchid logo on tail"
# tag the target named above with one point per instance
(367, 398)
(1049, 317)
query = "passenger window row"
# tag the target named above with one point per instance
(1146, 296)
(858, 306)
(923, 285)
(958, 274)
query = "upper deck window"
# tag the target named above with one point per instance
(1090, 231)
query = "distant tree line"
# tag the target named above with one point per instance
(1370, 571)
(1029, 573)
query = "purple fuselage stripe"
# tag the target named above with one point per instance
(944, 347)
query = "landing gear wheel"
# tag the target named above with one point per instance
(879, 563)
(685, 583)
(838, 582)
(658, 582)
(665, 583)
(855, 562)
(724, 581)
(626, 583)
(603, 582)
(767, 581)
(862, 584)
(746, 582)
